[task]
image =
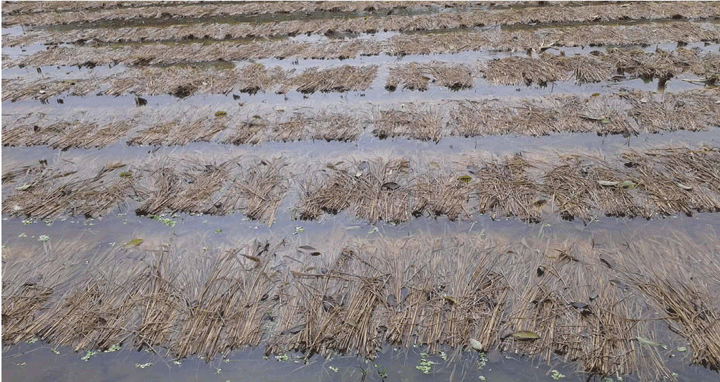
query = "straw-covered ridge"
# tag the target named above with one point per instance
(573, 298)
(601, 66)
(415, 76)
(400, 45)
(223, 78)
(77, 189)
(253, 186)
(250, 185)
(584, 186)
(20, 8)
(374, 190)
(358, 23)
(89, 12)
(413, 121)
(626, 113)
(183, 82)
(633, 183)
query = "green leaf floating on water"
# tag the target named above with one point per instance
(133, 243)
(525, 335)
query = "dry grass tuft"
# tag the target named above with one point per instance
(412, 122)
(410, 76)
(373, 190)
(72, 191)
(414, 76)
(503, 188)
(441, 195)
(585, 69)
(692, 111)
(255, 188)
(254, 78)
(523, 71)
(340, 79)
(333, 126)
(660, 64)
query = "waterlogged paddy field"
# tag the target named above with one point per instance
(360, 191)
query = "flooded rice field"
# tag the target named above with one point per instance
(360, 191)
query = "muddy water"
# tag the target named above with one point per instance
(125, 365)
(21, 364)
(38, 362)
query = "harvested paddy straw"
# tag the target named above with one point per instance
(657, 182)
(400, 45)
(216, 189)
(543, 298)
(374, 189)
(353, 23)
(106, 11)
(413, 121)
(221, 78)
(254, 187)
(415, 76)
(545, 185)
(626, 113)
(522, 71)
(184, 82)
(574, 186)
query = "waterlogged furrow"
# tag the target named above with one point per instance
(428, 22)
(400, 45)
